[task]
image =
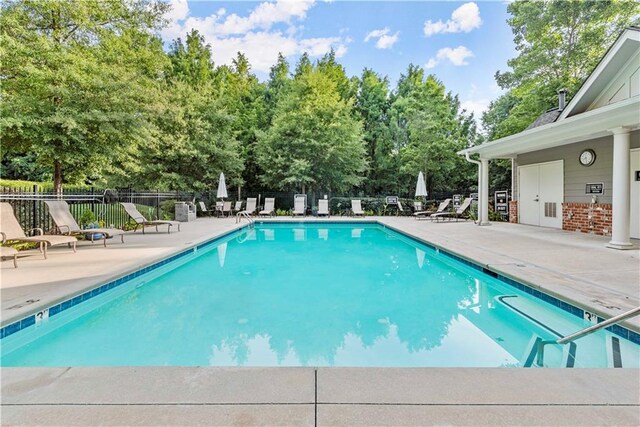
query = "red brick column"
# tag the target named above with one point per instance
(592, 218)
(513, 211)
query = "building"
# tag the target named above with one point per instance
(577, 167)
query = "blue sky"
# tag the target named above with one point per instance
(462, 43)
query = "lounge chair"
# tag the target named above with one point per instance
(219, 207)
(462, 210)
(226, 208)
(356, 207)
(141, 221)
(251, 205)
(323, 207)
(8, 252)
(269, 207)
(237, 207)
(299, 207)
(12, 231)
(66, 223)
(417, 207)
(203, 207)
(444, 205)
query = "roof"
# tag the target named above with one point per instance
(577, 122)
(549, 116)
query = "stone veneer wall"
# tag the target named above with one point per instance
(587, 218)
(513, 211)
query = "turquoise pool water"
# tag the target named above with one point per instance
(311, 294)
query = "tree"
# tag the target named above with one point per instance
(79, 80)
(314, 141)
(372, 104)
(559, 44)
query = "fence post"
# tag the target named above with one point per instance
(35, 206)
(93, 201)
(157, 204)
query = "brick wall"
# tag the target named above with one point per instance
(592, 218)
(513, 211)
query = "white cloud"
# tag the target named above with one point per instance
(457, 56)
(179, 10)
(385, 40)
(254, 34)
(463, 19)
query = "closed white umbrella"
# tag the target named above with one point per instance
(421, 187)
(222, 187)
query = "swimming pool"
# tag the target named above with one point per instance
(312, 294)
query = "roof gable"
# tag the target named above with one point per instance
(614, 78)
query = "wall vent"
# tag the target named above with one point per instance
(550, 210)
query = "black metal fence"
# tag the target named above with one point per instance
(102, 206)
(90, 205)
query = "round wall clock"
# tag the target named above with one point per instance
(587, 157)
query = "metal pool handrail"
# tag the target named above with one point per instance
(244, 214)
(586, 331)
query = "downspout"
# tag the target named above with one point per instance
(470, 160)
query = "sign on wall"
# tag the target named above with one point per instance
(502, 202)
(595, 188)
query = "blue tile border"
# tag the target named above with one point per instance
(625, 333)
(56, 309)
(65, 305)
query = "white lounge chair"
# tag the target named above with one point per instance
(444, 205)
(323, 207)
(269, 207)
(237, 207)
(226, 208)
(299, 207)
(203, 207)
(141, 221)
(251, 205)
(9, 252)
(66, 223)
(356, 207)
(454, 215)
(11, 230)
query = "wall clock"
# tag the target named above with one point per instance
(587, 157)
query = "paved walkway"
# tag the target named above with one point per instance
(577, 267)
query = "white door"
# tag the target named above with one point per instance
(541, 194)
(635, 195)
(528, 197)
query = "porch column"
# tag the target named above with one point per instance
(620, 192)
(483, 208)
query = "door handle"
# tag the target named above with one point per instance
(536, 200)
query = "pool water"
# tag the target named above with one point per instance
(312, 294)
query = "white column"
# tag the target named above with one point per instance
(483, 208)
(620, 192)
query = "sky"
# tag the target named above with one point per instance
(462, 43)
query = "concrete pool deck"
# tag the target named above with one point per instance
(576, 267)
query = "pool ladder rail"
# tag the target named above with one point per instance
(569, 339)
(244, 214)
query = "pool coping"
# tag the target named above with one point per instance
(11, 326)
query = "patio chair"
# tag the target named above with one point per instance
(299, 207)
(417, 207)
(237, 207)
(219, 207)
(323, 207)
(66, 223)
(12, 231)
(203, 208)
(442, 207)
(251, 205)
(269, 207)
(356, 207)
(8, 252)
(457, 214)
(141, 221)
(226, 208)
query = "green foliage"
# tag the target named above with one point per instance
(314, 141)
(167, 210)
(87, 217)
(559, 44)
(42, 186)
